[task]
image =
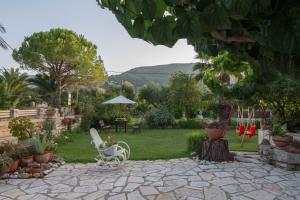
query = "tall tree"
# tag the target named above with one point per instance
(264, 33)
(3, 44)
(13, 87)
(184, 94)
(62, 54)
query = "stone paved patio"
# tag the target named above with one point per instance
(163, 180)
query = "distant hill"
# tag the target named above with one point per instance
(157, 74)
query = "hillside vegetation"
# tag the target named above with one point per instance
(157, 74)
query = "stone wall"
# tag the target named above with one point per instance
(37, 116)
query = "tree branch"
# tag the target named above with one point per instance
(235, 38)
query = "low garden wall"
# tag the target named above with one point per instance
(37, 116)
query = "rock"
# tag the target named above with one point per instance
(38, 175)
(25, 175)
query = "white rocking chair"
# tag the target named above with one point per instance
(113, 155)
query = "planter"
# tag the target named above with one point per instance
(32, 170)
(215, 133)
(26, 160)
(43, 158)
(14, 165)
(50, 155)
(292, 149)
(282, 141)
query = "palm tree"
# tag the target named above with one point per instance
(3, 44)
(45, 87)
(13, 86)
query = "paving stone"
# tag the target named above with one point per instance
(95, 195)
(70, 195)
(118, 197)
(161, 179)
(131, 186)
(85, 189)
(134, 179)
(13, 193)
(222, 174)
(166, 196)
(121, 181)
(189, 193)
(232, 188)
(260, 194)
(135, 196)
(199, 184)
(148, 190)
(214, 193)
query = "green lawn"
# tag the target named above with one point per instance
(148, 145)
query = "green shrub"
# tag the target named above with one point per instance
(159, 118)
(190, 124)
(21, 127)
(195, 140)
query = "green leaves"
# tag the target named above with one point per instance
(163, 31)
(238, 9)
(217, 17)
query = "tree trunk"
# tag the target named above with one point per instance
(58, 94)
(216, 150)
(225, 111)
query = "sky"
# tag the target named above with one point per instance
(117, 49)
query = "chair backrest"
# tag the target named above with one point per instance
(96, 138)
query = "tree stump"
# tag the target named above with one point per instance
(215, 150)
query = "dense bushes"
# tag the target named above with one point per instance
(190, 124)
(194, 142)
(159, 118)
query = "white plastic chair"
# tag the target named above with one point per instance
(113, 155)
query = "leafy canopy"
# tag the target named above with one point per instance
(265, 33)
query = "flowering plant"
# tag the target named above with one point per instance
(110, 140)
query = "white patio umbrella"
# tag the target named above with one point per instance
(119, 100)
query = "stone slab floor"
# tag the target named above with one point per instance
(163, 180)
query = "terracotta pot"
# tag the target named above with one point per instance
(215, 133)
(43, 158)
(282, 141)
(14, 165)
(292, 149)
(27, 160)
(32, 170)
(50, 155)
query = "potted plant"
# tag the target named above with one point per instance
(5, 162)
(279, 137)
(26, 156)
(50, 148)
(215, 130)
(50, 112)
(22, 128)
(40, 144)
(14, 152)
(110, 145)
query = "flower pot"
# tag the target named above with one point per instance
(282, 141)
(43, 158)
(26, 160)
(32, 170)
(14, 165)
(292, 149)
(50, 155)
(215, 133)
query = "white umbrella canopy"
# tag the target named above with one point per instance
(119, 100)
